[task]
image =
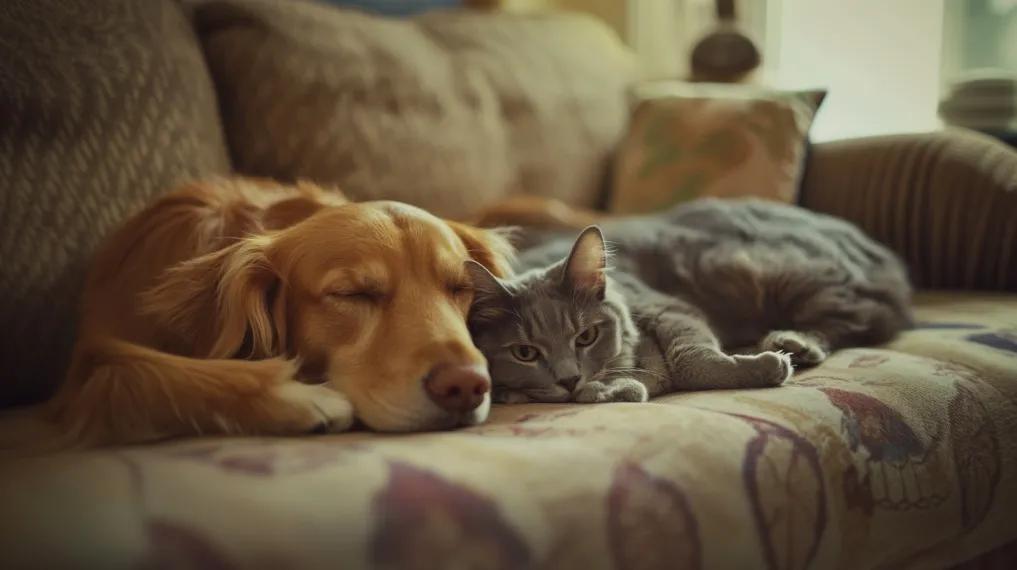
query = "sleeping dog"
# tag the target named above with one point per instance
(247, 307)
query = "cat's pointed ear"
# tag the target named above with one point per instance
(586, 264)
(490, 297)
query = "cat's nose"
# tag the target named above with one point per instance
(570, 382)
(457, 388)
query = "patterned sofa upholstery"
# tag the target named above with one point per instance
(901, 456)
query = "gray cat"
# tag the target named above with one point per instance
(687, 288)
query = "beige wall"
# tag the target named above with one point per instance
(661, 32)
(611, 11)
(879, 61)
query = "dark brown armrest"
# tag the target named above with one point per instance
(946, 202)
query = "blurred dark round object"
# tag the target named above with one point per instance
(725, 55)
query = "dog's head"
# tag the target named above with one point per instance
(370, 297)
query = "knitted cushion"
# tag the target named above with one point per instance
(102, 105)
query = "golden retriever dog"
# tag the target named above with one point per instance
(248, 307)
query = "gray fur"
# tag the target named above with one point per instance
(687, 287)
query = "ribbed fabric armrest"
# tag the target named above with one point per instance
(945, 201)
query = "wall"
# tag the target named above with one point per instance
(879, 59)
(612, 12)
(661, 32)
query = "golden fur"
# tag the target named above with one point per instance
(210, 310)
(536, 212)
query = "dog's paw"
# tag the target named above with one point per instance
(765, 369)
(313, 409)
(804, 350)
(616, 390)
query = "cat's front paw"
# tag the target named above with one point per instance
(509, 396)
(617, 390)
(804, 350)
(766, 368)
(549, 395)
(591, 393)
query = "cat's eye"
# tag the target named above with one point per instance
(525, 352)
(588, 336)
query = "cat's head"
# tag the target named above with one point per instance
(551, 328)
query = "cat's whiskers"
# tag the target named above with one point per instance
(626, 370)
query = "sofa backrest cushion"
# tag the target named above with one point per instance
(102, 106)
(449, 110)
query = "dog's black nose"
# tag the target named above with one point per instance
(570, 382)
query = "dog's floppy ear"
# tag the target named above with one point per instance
(220, 301)
(488, 247)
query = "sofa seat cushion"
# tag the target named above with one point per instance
(900, 456)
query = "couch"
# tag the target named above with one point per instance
(902, 455)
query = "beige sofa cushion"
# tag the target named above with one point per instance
(901, 456)
(448, 111)
(100, 109)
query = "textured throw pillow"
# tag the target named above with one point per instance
(688, 141)
(449, 111)
(102, 106)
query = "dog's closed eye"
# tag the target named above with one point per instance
(457, 288)
(356, 295)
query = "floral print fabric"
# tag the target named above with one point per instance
(695, 141)
(899, 456)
